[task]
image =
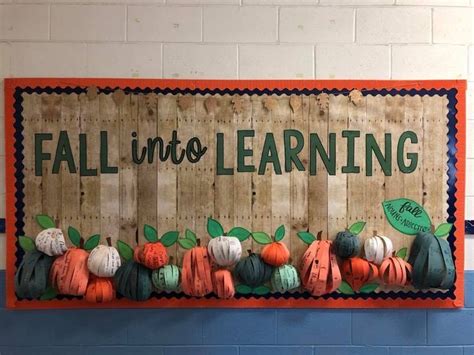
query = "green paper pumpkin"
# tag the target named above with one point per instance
(166, 278)
(285, 278)
(133, 281)
(253, 271)
(346, 245)
(31, 279)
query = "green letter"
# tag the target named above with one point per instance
(371, 146)
(39, 155)
(221, 170)
(329, 160)
(269, 155)
(350, 168)
(412, 157)
(104, 155)
(83, 169)
(63, 153)
(291, 154)
(242, 152)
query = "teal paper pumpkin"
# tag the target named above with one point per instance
(31, 278)
(346, 245)
(133, 281)
(285, 278)
(166, 278)
(253, 271)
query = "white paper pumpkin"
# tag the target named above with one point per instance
(377, 248)
(225, 251)
(51, 242)
(103, 261)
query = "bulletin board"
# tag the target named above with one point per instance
(159, 170)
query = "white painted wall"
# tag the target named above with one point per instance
(266, 39)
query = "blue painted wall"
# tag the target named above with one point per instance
(239, 332)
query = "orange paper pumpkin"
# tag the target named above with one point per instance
(275, 254)
(357, 272)
(151, 255)
(196, 273)
(100, 290)
(319, 270)
(395, 271)
(223, 284)
(69, 273)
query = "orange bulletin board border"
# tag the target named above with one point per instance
(362, 301)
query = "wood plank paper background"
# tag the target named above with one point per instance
(184, 196)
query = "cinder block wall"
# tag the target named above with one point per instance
(270, 39)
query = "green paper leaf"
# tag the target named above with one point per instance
(369, 288)
(125, 251)
(443, 230)
(49, 294)
(150, 233)
(27, 243)
(261, 238)
(306, 237)
(169, 238)
(240, 233)
(261, 290)
(345, 288)
(243, 289)
(92, 242)
(74, 236)
(402, 253)
(214, 228)
(186, 243)
(406, 216)
(357, 227)
(45, 221)
(189, 234)
(280, 233)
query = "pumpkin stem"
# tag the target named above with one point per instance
(136, 236)
(319, 236)
(198, 242)
(109, 241)
(375, 233)
(249, 251)
(432, 228)
(81, 243)
(170, 260)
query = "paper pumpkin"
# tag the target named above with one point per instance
(395, 271)
(166, 278)
(133, 281)
(275, 253)
(223, 284)
(196, 277)
(347, 243)
(253, 271)
(319, 270)
(285, 278)
(225, 251)
(100, 290)
(432, 262)
(69, 272)
(153, 254)
(51, 242)
(377, 248)
(104, 261)
(357, 272)
(31, 278)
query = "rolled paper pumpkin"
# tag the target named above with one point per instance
(223, 284)
(253, 271)
(69, 273)
(31, 278)
(319, 270)
(285, 278)
(225, 251)
(103, 261)
(275, 254)
(51, 242)
(357, 272)
(100, 290)
(377, 248)
(152, 255)
(166, 278)
(133, 281)
(346, 245)
(432, 262)
(196, 277)
(395, 271)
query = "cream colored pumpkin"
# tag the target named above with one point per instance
(378, 248)
(103, 261)
(51, 242)
(225, 251)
